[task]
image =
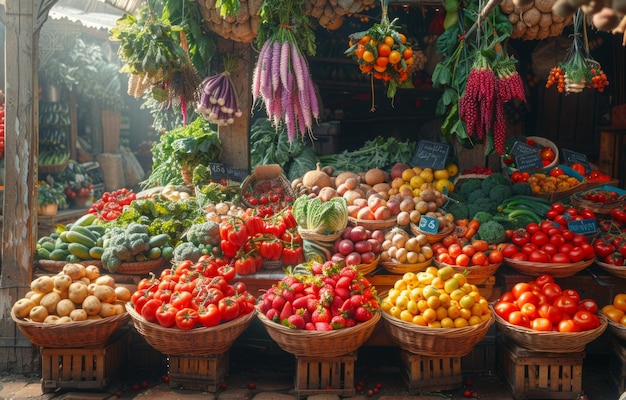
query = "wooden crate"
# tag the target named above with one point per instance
(540, 375)
(617, 365)
(421, 373)
(204, 373)
(328, 375)
(83, 368)
(482, 358)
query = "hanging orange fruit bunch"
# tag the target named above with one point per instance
(384, 53)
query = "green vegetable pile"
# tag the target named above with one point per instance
(380, 152)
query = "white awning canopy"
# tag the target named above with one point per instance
(94, 14)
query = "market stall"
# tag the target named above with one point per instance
(399, 242)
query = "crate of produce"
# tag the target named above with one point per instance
(552, 186)
(202, 373)
(325, 375)
(267, 186)
(430, 374)
(540, 375)
(83, 367)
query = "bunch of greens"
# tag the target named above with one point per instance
(192, 145)
(270, 145)
(313, 214)
(379, 152)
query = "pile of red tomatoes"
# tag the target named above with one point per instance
(542, 305)
(548, 242)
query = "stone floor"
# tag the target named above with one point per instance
(257, 376)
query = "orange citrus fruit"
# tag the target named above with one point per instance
(402, 37)
(382, 61)
(384, 50)
(365, 68)
(368, 56)
(407, 53)
(389, 41)
(364, 39)
(380, 68)
(394, 57)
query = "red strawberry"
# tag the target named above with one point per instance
(278, 303)
(272, 314)
(338, 322)
(287, 311)
(321, 314)
(296, 321)
(362, 314)
(323, 326)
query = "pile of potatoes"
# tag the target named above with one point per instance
(77, 293)
(534, 19)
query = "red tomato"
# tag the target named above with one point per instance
(520, 288)
(529, 248)
(546, 226)
(454, 250)
(166, 315)
(229, 308)
(542, 280)
(556, 172)
(541, 324)
(520, 237)
(507, 297)
(495, 256)
(505, 308)
(527, 298)
(539, 256)
(462, 260)
(539, 238)
(519, 318)
(209, 316)
(186, 318)
(479, 258)
(573, 294)
(181, 299)
(588, 250)
(532, 228)
(577, 254)
(560, 258)
(509, 250)
(550, 312)
(588, 305)
(530, 310)
(551, 291)
(557, 239)
(585, 320)
(550, 249)
(566, 304)
(566, 248)
(568, 325)
(579, 239)
(519, 257)
(469, 250)
(148, 311)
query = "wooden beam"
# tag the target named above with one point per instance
(235, 138)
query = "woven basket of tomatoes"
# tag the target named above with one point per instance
(325, 330)
(267, 187)
(477, 259)
(540, 315)
(601, 200)
(547, 150)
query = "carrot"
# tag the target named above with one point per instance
(462, 222)
(469, 233)
(474, 224)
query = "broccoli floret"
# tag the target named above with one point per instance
(492, 232)
(482, 204)
(138, 242)
(187, 251)
(457, 209)
(500, 192)
(110, 260)
(497, 178)
(207, 233)
(124, 245)
(477, 194)
(521, 188)
(482, 217)
(468, 186)
(135, 227)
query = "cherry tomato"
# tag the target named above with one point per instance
(568, 325)
(541, 324)
(519, 318)
(505, 308)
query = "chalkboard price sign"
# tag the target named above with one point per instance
(218, 171)
(520, 148)
(584, 226)
(429, 224)
(529, 161)
(236, 174)
(431, 154)
(572, 157)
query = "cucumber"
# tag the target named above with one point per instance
(43, 253)
(45, 239)
(48, 246)
(167, 252)
(76, 237)
(72, 258)
(84, 231)
(63, 236)
(97, 229)
(59, 255)
(96, 252)
(158, 240)
(79, 250)
(85, 220)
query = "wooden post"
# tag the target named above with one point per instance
(23, 19)
(235, 138)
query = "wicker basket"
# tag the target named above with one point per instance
(366, 269)
(140, 267)
(432, 237)
(53, 169)
(196, 341)
(577, 200)
(618, 330)
(476, 274)
(304, 343)
(554, 269)
(259, 177)
(57, 266)
(372, 224)
(550, 341)
(398, 268)
(542, 142)
(615, 270)
(320, 237)
(435, 342)
(73, 334)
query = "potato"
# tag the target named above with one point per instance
(22, 307)
(78, 315)
(106, 294)
(43, 284)
(92, 272)
(106, 280)
(91, 305)
(51, 319)
(78, 291)
(63, 320)
(122, 293)
(38, 314)
(50, 301)
(107, 310)
(74, 270)
(65, 307)
(62, 282)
